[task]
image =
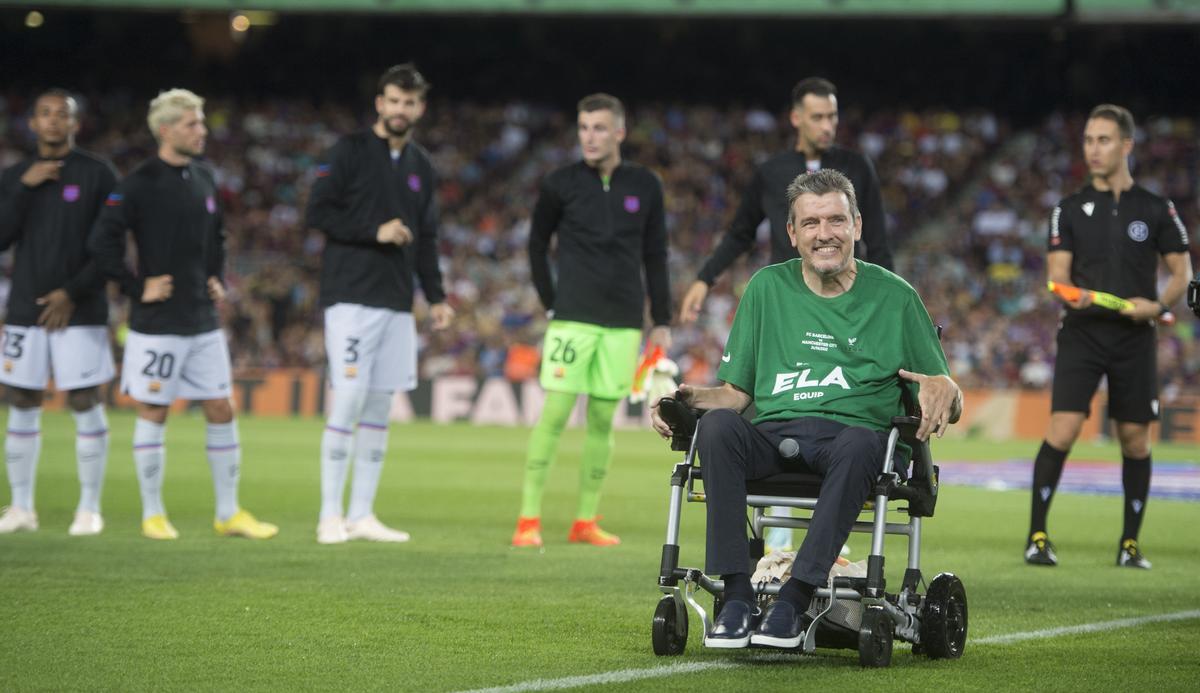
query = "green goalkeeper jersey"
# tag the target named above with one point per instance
(799, 354)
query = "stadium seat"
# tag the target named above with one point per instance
(857, 613)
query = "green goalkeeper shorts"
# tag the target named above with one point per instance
(589, 359)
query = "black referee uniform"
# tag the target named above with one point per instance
(360, 186)
(766, 198)
(608, 233)
(1115, 247)
(49, 225)
(174, 214)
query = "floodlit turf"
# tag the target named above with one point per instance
(457, 608)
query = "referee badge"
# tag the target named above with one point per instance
(632, 204)
(1138, 231)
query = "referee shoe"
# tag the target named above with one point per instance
(1130, 556)
(1040, 550)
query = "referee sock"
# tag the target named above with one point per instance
(543, 444)
(370, 447)
(1135, 477)
(21, 448)
(225, 459)
(91, 455)
(597, 454)
(150, 459)
(1047, 470)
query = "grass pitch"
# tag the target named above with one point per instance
(457, 608)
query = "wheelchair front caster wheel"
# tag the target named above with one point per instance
(875, 639)
(944, 618)
(670, 628)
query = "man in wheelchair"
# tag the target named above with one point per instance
(823, 345)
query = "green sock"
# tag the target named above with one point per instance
(597, 453)
(543, 442)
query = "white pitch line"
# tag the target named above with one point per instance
(624, 675)
(620, 676)
(1085, 628)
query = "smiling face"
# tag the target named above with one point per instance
(1104, 148)
(399, 109)
(600, 137)
(823, 229)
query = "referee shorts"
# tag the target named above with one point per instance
(1124, 352)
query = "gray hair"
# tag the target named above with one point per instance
(822, 182)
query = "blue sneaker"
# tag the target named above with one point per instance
(733, 626)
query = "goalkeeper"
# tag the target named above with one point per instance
(608, 216)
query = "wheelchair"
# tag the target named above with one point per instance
(848, 612)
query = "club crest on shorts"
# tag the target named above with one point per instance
(632, 204)
(8, 366)
(351, 372)
(560, 372)
(414, 182)
(155, 386)
(1138, 231)
(70, 193)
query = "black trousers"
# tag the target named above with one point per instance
(732, 451)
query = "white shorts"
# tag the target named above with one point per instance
(81, 357)
(371, 349)
(159, 368)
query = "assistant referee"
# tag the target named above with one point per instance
(1108, 237)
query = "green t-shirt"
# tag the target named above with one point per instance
(799, 354)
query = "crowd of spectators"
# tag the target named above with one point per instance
(967, 199)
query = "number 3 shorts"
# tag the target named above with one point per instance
(589, 359)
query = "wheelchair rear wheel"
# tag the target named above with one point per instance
(669, 632)
(875, 638)
(944, 618)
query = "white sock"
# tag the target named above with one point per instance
(150, 459)
(336, 444)
(91, 455)
(225, 458)
(370, 446)
(21, 448)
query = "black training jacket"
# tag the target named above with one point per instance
(174, 214)
(49, 226)
(359, 187)
(607, 237)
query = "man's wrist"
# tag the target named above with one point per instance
(1163, 308)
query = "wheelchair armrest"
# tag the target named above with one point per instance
(924, 477)
(682, 421)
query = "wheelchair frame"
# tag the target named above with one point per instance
(935, 623)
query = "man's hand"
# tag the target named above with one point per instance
(57, 311)
(394, 232)
(442, 315)
(40, 172)
(659, 336)
(683, 396)
(216, 290)
(157, 289)
(1144, 310)
(940, 401)
(693, 301)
